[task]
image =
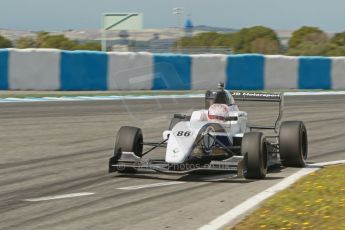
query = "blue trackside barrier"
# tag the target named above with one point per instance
(172, 72)
(3, 69)
(314, 72)
(51, 69)
(83, 70)
(245, 72)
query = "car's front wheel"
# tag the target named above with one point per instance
(254, 150)
(128, 139)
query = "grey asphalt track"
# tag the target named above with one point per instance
(55, 148)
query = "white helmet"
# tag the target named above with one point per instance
(218, 112)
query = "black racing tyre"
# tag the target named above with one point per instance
(254, 150)
(128, 139)
(293, 144)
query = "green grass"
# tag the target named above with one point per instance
(315, 202)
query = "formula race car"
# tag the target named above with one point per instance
(218, 138)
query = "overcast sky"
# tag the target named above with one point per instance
(52, 15)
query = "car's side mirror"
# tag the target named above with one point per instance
(231, 118)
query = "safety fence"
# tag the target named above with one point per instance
(51, 69)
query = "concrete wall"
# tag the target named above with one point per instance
(51, 69)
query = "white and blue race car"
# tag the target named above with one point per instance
(217, 138)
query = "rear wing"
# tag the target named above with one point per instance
(263, 97)
(253, 96)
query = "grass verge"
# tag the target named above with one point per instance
(315, 202)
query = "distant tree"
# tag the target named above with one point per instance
(5, 43)
(265, 45)
(58, 42)
(45, 40)
(336, 45)
(338, 39)
(186, 43)
(257, 39)
(205, 40)
(26, 42)
(88, 46)
(305, 33)
(41, 37)
(308, 41)
(224, 40)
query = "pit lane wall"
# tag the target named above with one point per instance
(51, 69)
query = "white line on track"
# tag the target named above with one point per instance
(71, 195)
(152, 185)
(329, 163)
(231, 217)
(317, 93)
(100, 98)
(146, 97)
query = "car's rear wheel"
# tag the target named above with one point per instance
(128, 139)
(254, 150)
(293, 144)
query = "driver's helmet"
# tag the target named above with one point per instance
(218, 112)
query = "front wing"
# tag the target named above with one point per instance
(232, 165)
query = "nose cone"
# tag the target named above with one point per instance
(180, 143)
